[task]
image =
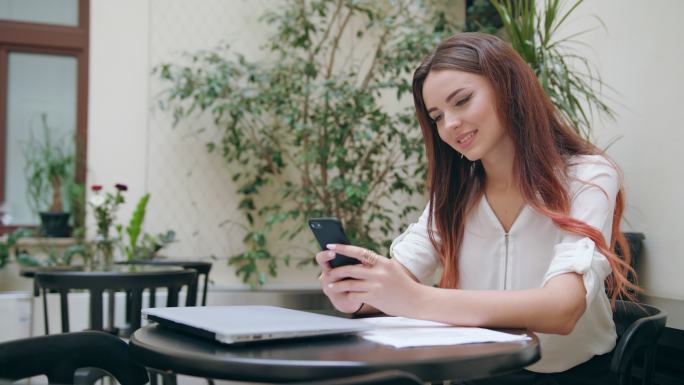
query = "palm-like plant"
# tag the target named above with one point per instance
(50, 166)
(567, 77)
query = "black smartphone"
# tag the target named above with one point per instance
(327, 231)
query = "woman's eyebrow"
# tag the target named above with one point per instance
(448, 98)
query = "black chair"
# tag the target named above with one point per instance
(202, 269)
(639, 327)
(635, 242)
(389, 377)
(135, 281)
(59, 357)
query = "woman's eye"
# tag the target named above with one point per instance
(463, 101)
(436, 119)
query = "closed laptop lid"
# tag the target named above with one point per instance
(232, 324)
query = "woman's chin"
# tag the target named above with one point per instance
(471, 156)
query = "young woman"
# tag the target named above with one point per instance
(523, 215)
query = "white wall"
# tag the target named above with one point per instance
(118, 96)
(640, 54)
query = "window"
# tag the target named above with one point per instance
(43, 80)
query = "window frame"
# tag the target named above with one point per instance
(26, 37)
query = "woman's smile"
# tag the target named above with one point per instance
(466, 139)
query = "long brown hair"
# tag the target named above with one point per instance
(544, 142)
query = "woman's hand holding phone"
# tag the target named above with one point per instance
(349, 278)
(340, 300)
(327, 231)
(379, 282)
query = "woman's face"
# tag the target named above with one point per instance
(463, 107)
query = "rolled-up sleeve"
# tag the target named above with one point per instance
(414, 250)
(594, 188)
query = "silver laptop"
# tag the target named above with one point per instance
(237, 324)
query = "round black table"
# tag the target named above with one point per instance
(311, 359)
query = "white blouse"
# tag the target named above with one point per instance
(533, 251)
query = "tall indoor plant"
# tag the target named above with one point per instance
(305, 133)
(50, 168)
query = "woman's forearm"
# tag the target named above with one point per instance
(555, 308)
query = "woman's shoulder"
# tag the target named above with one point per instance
(587, 167)
(587, 172)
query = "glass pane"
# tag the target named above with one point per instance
(62, 12)
(38, 86)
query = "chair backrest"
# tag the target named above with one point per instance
(388, 377)
(58, 356)
(638, 327)
(96, 283)
(201, 267)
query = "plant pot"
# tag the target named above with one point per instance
(636, 244)
(55, 224)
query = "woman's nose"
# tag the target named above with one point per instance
(452, 121)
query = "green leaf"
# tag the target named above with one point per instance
(134, 227)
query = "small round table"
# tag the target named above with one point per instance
(312, 359)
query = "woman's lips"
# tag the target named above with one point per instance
(466, 140)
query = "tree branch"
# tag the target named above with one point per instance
(327, 29)
(336, 42)
(378, 51)
(378, 48)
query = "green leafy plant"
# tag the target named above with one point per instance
(151, 244)
(49, 170)
(56, 257)
(134, 227)
(9, 244)
(305, 133)
(135, 247)
(481, 16)
(567, 76)
(77, 207)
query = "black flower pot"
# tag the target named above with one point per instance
(55, 224)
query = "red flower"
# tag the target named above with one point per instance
(96, 187)
(121, 187)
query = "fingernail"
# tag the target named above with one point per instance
(331, 253)
(330, 246)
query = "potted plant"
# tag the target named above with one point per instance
(50, 167)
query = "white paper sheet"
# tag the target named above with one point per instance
(403, 332)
